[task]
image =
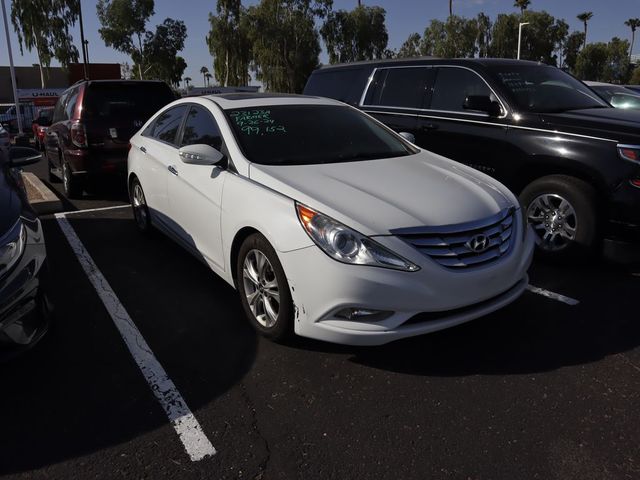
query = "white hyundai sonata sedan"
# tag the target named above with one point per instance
(327, 223)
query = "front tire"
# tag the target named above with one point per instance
(140, 207)
(563, 213)
(264, 290)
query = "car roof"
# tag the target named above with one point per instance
(228, 101)
(428, 61)
(599, 84)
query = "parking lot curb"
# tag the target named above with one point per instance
(41, 198)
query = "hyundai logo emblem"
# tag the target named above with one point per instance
(478, 243)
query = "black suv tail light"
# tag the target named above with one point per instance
(79, 135)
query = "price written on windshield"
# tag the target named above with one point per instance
(257, 122)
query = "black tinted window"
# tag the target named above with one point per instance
(127, 100)
(311, 134)
(454, 85)
(70, 107)
(344, 84)
(200, 127)
(58, 111)
(398, 87)
(166, 126)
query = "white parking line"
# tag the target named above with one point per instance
(553, 295)
(88, 210)
(184, 422)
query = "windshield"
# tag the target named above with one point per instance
(545, 89)
(311, 134)
(125, 100)
(618, 96)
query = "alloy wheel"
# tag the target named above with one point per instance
(261, 288)
(140, 207)
(554, 221)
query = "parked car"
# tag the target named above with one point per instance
(616, 95)
(328, 223)
(40, 125)
(9, 120)
(24, 307)
(573, 160)
(92, 123)
(633, 88)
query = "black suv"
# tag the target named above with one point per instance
(573, 160)
(92, 123)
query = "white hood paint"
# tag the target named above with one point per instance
(376, 196)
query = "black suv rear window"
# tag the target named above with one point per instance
(128, 100)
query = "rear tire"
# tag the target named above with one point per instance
(264, 290)
(564, 215)
(73, 186)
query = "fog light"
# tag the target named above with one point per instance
(363, 315)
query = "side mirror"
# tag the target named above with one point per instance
(482, 103)
(23, 156)
(409, 137)
(200, 154)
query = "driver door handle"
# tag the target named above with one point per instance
(173, 169)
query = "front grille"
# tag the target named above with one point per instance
(451, 245)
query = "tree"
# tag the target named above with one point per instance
(204, 71)
(450, 8)
(571, 48)
(541, 41)
(161, 51)
(43, 25)
(584, 18)
(286, 44)
(186, 82)
(483, 37)
(410, 47)
(229, 43)
(522, 5)
(454, 38)
(360, 34)
(207, 77)
(123, 22)
(604, 62)
(635, 77)
(632, 23)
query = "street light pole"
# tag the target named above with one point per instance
(13, 71)
(522, 24)
(84, 45)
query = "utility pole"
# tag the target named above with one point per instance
(84, 45)
(13, 71)
(520, 36)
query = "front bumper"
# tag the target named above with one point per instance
(24, 308)
(321, 287)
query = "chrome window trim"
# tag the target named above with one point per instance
(504, 125)
(366, 90)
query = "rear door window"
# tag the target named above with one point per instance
(453, 85)
(201, 128)
(165, 128)
(130, 101)
(403, 87)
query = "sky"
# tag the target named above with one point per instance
(403, 18)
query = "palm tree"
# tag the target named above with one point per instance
(522, 5)
(584, 18)
(632, 23)
(204, 71)
(186, 82)
(450, 7)
(208, 77)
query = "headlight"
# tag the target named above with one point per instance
(346, 245)
(12, 246)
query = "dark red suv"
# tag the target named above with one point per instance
(92, 123)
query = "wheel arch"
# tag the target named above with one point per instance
(240, 236)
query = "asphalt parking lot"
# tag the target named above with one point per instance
(547, 388)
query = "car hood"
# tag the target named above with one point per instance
(10, 204)
(377, 196)
(612, 123)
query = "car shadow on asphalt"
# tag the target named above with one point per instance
(534, 334)
(79, 391)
